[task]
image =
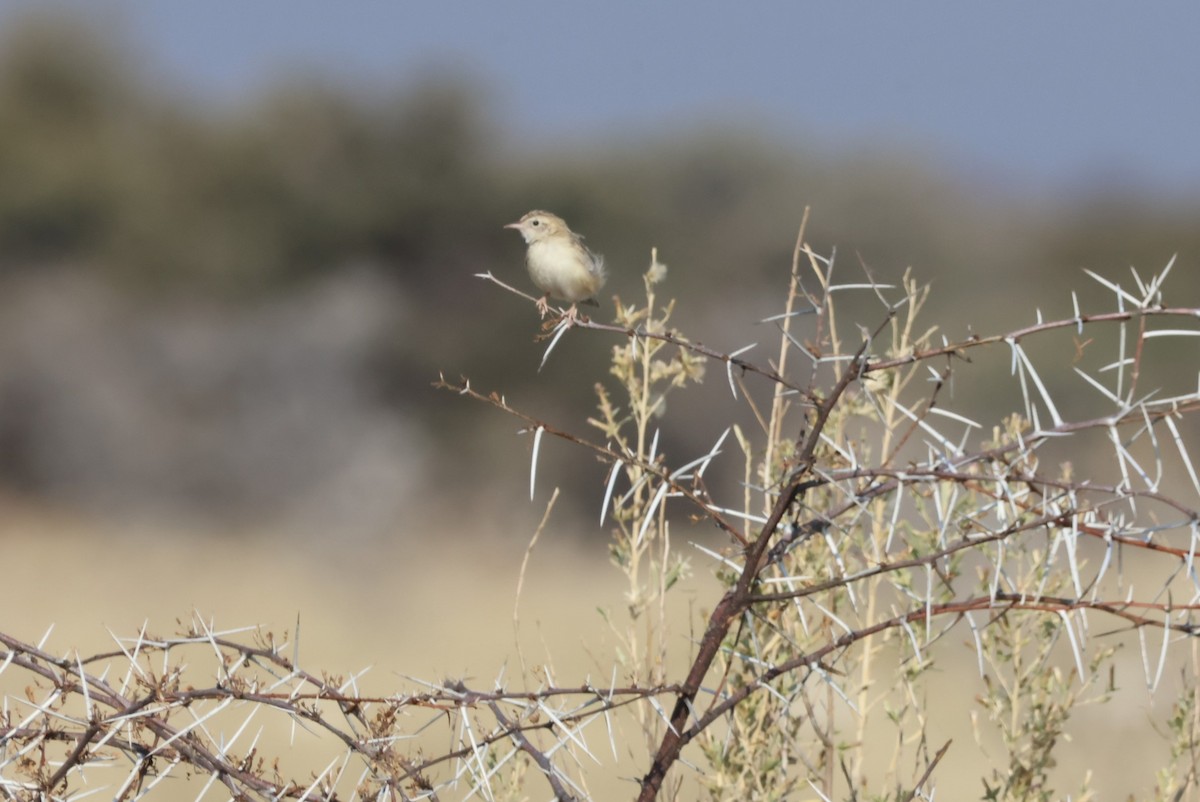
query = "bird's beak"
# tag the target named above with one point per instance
(513, 225)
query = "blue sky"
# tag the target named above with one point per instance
(1035, 96)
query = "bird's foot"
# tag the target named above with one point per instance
(570, 316)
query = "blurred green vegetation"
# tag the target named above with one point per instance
(168, 203)
(100, 167)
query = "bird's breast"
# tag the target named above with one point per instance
(563, 269)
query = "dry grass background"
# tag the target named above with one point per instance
(439, 606)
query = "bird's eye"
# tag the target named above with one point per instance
(535, 222)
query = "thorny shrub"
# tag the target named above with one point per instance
(889, 569)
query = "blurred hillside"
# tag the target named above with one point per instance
(234, 314)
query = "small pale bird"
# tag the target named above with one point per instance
(559, 263)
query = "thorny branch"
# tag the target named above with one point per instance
(142, 718)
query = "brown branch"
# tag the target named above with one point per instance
(664, 336)
(937, 758)
(608, 454)
(241, 778)
(538, 756)
(1007, 602)
(956, 349)
(73, 759)
(736, 599)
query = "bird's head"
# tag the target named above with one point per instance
(537, 225)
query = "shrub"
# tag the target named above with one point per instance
(874, 528)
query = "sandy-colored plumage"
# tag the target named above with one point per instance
(560, 265)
